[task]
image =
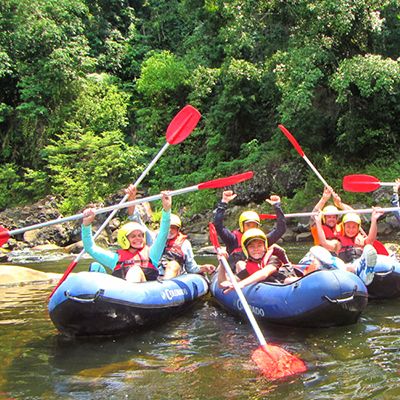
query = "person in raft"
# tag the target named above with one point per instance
(178, 256)
(395, 198)
(262, 263)
(247, 220)
(330, 220)
(352, 249)
(135, 261)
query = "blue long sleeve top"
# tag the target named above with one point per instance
(109, 258)
(229, 238)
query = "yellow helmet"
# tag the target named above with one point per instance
(250, 235)
(176, 221)
(248, 216)
(328, 210)
(352, 217)
(125, 230)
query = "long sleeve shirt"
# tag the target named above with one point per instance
(190, 265)
(110, 259)
(229, 238)
(395, 203)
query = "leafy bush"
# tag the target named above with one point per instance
(84, 167)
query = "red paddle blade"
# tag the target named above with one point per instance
(360, 183)
(213, 235)
(275, 362)
(182, 125)
(222, 182)
(4, 235)
(267, 216)
(64, 277)
(380, 248)
(291, 140)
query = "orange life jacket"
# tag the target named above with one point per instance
(330, 233)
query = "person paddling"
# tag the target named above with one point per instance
(262, 263)
(135, 261)
(247, 220)
(178, 256)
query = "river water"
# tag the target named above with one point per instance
(205, 354)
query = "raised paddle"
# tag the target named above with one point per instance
(378, 246)
(363, 183)
(273, 361)
(213, 184)
(301, 152)
(178, 130)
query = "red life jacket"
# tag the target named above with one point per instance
(349, 250)
(127, 259)
(331, 233)
(173, 249)
(254, 266)
(238, 235)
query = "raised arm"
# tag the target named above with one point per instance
(224, 233)
(326, 195)
(157, 249)
(330, 245)
(373, 230)
(131, 191)
(395, 198)
(108, 258)
(280, 227)
(337, 201)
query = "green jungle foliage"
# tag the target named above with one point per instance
(88, 88)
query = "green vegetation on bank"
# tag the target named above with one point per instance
(87, 89)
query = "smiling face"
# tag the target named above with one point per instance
(136, 239)
(256, 249)
(330, 220)
(173, 231)
(351, 229)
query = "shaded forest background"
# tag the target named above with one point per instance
(88, 88)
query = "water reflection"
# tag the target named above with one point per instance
(202, 355)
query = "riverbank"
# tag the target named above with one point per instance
(65, 238)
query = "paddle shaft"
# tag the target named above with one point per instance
(339, 212)
(315, 170)
(103, 210)
(387, 183)
(124, 199)
(298, 148)
(245, 304)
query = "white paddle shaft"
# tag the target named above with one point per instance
(103, 210)
(245, 304)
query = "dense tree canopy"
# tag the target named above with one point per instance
(87, 89)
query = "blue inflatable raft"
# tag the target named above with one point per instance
(386, 282)
(93, 303)
(322, 298)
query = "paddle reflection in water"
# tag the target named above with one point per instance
(202, 355)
